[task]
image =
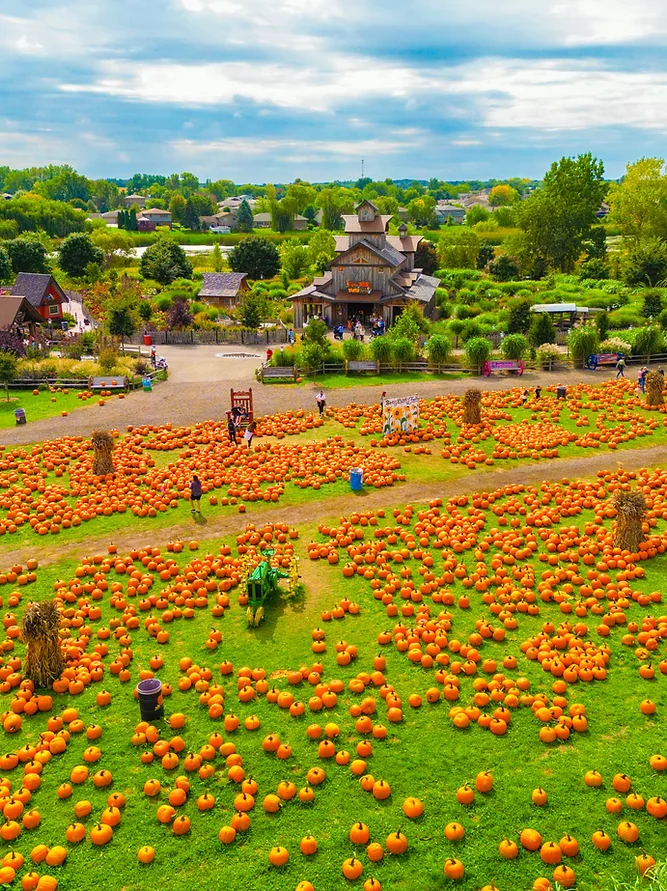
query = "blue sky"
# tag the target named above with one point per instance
(271, 90)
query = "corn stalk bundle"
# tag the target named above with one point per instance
(630, 512)
(44, 656)
(103, 447)
(472, 407)
(655, 384)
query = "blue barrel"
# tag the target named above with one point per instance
(356, 479)
(19, 414)
(147, 384)
(150, 699)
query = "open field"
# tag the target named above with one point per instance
(436, 634)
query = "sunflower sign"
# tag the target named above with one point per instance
(400, 415)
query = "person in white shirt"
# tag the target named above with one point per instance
(321, 400)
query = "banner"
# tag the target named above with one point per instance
(400, 415)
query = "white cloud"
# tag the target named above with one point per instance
(290, 149)
(23, 45)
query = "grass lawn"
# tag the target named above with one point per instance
(424, 755)
(346, 381)
(43, 405)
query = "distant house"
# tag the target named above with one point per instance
(224, 289)
(138, 200)
(603, 211)
(43, 293)
(18, 315)
(263, 221)
(157, 215)
(444, 211)
(217, 221)
(110, 217)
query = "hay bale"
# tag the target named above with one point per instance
(630, 513)
(472, 407)
(655, 385)
(102, 443)
(44, 660)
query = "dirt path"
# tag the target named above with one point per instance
(189, 396)
(315, 512)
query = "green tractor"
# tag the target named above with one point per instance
(262, 582)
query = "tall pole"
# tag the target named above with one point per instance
(362, 168)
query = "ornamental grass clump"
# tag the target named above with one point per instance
(472, 407)
(630, 513)
(44, 657)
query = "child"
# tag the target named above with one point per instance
(249, 433)
(524, 397)
(538, 391)
(231, 429)
(195, 495)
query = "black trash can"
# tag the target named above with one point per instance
(561, 392)
(150, 699)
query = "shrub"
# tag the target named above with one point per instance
(547, 356)
(647, 341)
(107, 359)
(312, 355)
(471, 329)
(477, 352)
(163, 302)
(514, 346)
(439, 349)
(381, 349)
(403, 350)
(582, 343)
(282, 358)
(541, 329)
(353, 350)
(616, 345)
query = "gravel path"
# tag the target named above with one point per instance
(201, 377)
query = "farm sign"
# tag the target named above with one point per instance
(400, 415)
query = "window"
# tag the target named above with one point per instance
(54, 309)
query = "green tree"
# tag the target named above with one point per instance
(477, 214)
(334, 202)
(321, 250)
(145, 311)
(595, 268)
(116, 245)
(251, 310)
(439, 349)
(257, 256)
(8, 366)
(639, 202)
(5, 265)
(27, 254)
(583, 342)
(541, 330)
(471, 329)
(557, 218)
(520, 318)
(313, 354)
(477, 352)
(503, 195)
(165, 261)
(648, 341)
(422, 211)
(196, 206)
(426, 257)
(76, 252)
(244, 219)
(294, 258)
(217, 260)
(456, 326)
(486, 254)
(177, 206)
(514, 346)
(300, 194)
(316, 332)
(652, 304)
(131, 219)
(504, 216)
(602, 324)
(504, 268)
(121, 322)
(410, 324)
(646, 263)
(458, 248)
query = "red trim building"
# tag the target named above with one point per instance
(43, 292)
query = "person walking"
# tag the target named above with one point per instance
(195, 495)
(153, 356)
(620, 368)
(524, 397)
(321, 400)
(641, 378)
(538, 391)
(249, 433)
(231, 429)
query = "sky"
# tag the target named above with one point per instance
(271, 90)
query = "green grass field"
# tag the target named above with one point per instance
(424, 755)
(43, 405)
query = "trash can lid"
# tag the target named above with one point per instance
(150, 685)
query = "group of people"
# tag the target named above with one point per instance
(234, 421)
(640, 389)
(524, 395)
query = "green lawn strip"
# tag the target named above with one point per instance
(43, 405)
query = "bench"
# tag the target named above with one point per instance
(596, 359)
(513, 365)
(111, 382)
(363, 365)
(277, 372)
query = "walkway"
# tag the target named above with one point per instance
(200, 380)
